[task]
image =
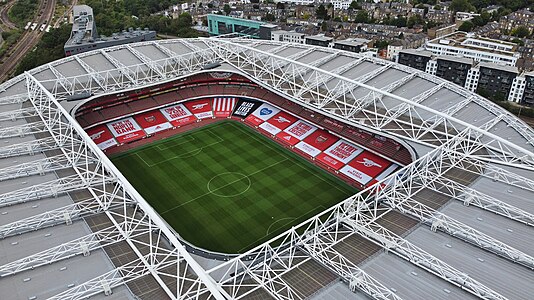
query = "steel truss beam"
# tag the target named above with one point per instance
(17, 114)
(399, 195)
(97, 77)
(63, 215)
(121, 67)
(502, 150)
(494, 173)
(321, 248)
(15, 99)
(106, 282)
(471, 196)
(318, 80)
(35, 167)
(49, 189)
(149, 62)
(354, 206)
(64, 83)
(21, 130)
(417, 256)
(83, 245)
(63, 127)
(28, 148)
(364, 209)
(402, 108)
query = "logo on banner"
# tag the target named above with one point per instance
(150, 119)
(96, 136)
(265, 111)
(244, 108)
(321, 139)
(369, 163)
(281, 119)
(199, 106)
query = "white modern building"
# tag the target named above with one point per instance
(288, 36)
(478, 48)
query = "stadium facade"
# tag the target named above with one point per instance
(454, 223)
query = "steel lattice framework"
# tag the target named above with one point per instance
(454, 143)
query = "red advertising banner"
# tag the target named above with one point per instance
(282, 120)
(330, 161)
(200, 108)
(126, 130)
(102, 137)
(178, 115)
(321, 139)
(370, 163)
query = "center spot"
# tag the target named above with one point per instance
(229, 184)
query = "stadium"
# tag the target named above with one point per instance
(245, 169)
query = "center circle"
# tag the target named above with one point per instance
(229, 184)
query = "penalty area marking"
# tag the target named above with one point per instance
(228, 184)
(187, 154)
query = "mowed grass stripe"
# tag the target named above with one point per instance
(284, 188)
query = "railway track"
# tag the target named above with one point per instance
(27, 41)
(4, 17)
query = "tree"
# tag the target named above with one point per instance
(461, 5)
(521, 32)
(324, 26)
(355, 5)
(227, 9)
(361, 17)
(269, 17)
(466, 26)
(321, 12)
(415, 20)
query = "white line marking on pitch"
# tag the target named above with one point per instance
(210, 192)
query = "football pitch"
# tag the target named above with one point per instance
(227, 188)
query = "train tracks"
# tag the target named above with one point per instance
(4, 18)
(27, 41)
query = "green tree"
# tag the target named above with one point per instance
(461, 5)
(521, 32)
(49, 48)
(361, 17)
(466, 26)
(321, 12)
(269, 17)
(355, 5)
(324, 26)
(227, 9)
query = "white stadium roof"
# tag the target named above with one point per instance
(71, 225)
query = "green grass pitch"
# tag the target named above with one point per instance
(226, 188)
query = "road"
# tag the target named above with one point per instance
(4, 18)
(28, 40)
